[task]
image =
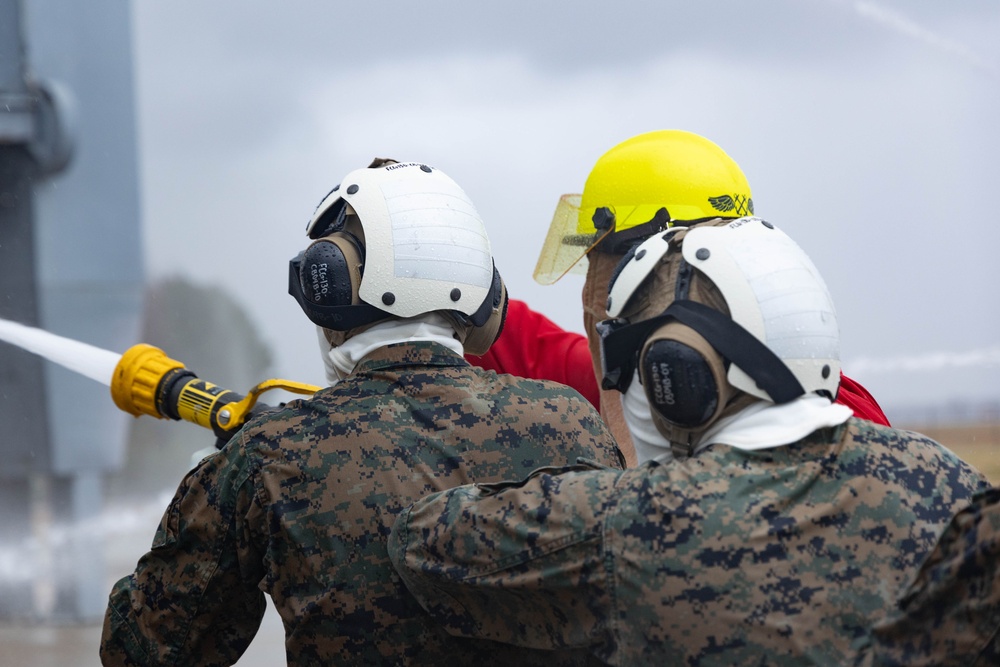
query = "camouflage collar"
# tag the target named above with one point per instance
(413, 353)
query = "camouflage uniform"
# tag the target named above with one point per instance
(783, 556)
(300, 503)
(950, 615)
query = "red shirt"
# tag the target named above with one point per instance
(533, 346)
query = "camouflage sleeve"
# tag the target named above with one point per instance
(951, 613)
(193, 598)
(518, 562)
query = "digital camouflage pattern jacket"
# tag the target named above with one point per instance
(299, 505)
(784, 556)
(950, 615)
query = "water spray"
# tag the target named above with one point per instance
(145, 381)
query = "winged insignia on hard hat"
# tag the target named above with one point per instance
(725, 203)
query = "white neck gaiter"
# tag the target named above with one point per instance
(764, 425)
(340, 361)
(649, 442)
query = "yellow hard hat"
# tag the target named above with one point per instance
(641, 186)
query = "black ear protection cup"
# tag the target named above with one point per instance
(487, 322)
(683, 376)
(624, 346)
(331, 270)
(325, 279)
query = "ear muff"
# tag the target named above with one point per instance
(331, 270)
(730, 341)
(492, 314)
(683, 376)
(325, 279)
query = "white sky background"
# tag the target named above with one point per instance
(868, 131)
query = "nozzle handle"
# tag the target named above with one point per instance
(232, 415)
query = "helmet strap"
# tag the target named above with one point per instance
(619, 242)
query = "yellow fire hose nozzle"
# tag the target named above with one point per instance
(148, 382)
(138, 375)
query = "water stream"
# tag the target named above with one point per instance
(31, 562)
(125, 531)
(87, 360)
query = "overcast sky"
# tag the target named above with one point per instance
(868, 131)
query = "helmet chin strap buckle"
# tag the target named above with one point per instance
(682, 450)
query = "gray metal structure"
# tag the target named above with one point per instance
(71, 262)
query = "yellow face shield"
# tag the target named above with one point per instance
(569, 240)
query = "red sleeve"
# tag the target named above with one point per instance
(533, 346)
(857, 398)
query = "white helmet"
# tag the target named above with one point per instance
(706, 312)
(397, 240)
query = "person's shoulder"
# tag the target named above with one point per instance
(547, 394)
(909, 449)
(873, 431)
(301, 418)
(549, 388)
(872, 434)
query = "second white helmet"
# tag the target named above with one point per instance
(714, 312)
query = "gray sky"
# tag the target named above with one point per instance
(868, 131)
